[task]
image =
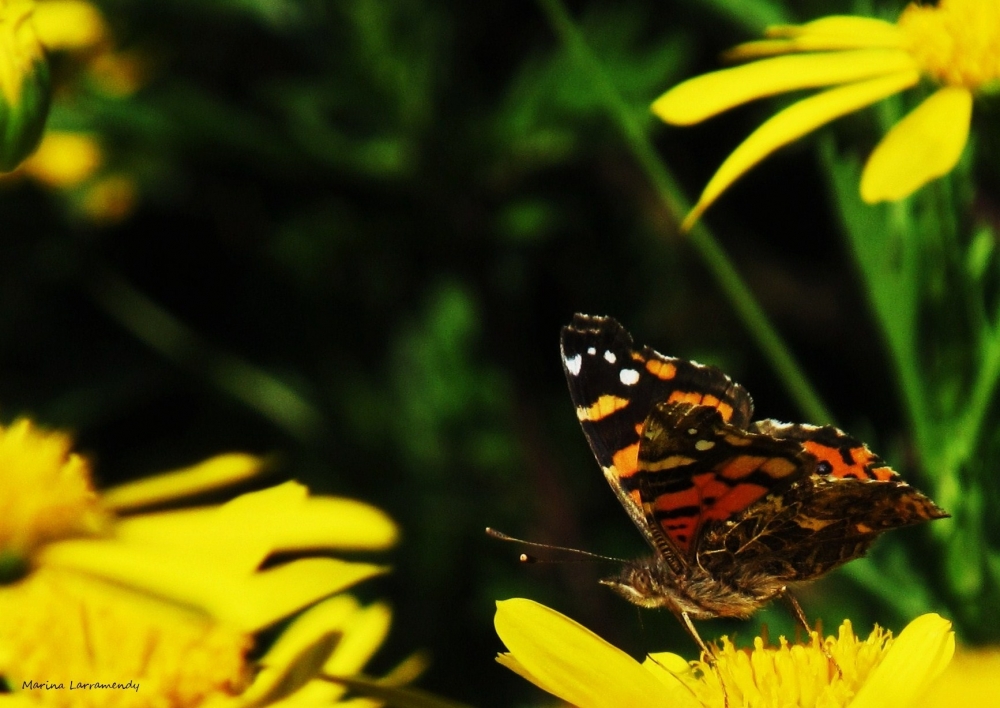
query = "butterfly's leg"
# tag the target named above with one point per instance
(689, 626)
(797, 610)
(706, 653)
(801, 617)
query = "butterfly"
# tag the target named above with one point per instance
(734, 510)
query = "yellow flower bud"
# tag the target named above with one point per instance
(24, 84)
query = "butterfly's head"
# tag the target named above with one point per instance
(647, 583)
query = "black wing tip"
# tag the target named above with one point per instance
(592, 323)
(586, 332)
(596, 326)
(935, 512)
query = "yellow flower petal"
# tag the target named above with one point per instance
(328, 617)
(825, 34)
(925, 145)
(917, 656)
(759, 48)
(363, 635)
(68, 24)
(64, 159)
(248, 601)
(851, 30)
(331, 615)
(704, 96)
(573, 663)
(240, 534)
(276, 593)
(970, 680)
(275, 683)
(214, 473)
(295, 521)
(508, 661)
(791, 124)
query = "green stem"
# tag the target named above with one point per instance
(893, 290)
(669, 192)
(969, 427)
(177, 342)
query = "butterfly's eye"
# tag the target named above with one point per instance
(824, 467)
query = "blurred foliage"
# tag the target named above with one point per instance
(348, 233)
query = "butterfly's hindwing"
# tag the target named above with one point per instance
(695, 470)
(844, 456)
(817, 524)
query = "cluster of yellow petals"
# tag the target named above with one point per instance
(172, 656)
(957, 42)
(47, 490)
(172, 600)
(789, 674)
(571, 662)
(119, 648)
(858, 61)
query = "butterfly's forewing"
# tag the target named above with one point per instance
(695, 471)
(615, 385)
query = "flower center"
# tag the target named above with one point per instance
(957, 43)
(793, 674)
(115, 647)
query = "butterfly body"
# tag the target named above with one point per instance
(651, 583)
(734, 510)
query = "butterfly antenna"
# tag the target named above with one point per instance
(525, 558)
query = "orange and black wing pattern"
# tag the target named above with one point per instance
(615, 386)
(696, 471)
(822, 520)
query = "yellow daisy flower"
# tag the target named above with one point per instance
(574, 664)
(208, 557)
(115, 647)
(955, 44)
(69, 24)
(162, 608)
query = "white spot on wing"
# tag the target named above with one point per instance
(692, 431)
(609, 356)
(628, 376)
(703, 445)
(591, 350)
(573, 364)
